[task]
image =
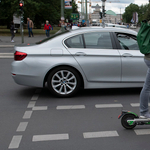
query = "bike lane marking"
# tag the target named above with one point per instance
(22, 126)
(100, 134)
(15, 142)
(108, 105)
(142, 131)
(50, 137)
(70, 107)
(16, 139)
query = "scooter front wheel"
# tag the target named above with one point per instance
(124, 122)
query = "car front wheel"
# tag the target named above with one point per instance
(63, 81)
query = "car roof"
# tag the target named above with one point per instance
(107, 29)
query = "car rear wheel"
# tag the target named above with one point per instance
(63, 81)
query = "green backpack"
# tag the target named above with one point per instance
(143, 38)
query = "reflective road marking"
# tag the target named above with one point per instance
(39, 108)
(142, 131)
(100, 134)
(137, 104)
(50, 137)
(108, 105)
(15, 141)
(27, 114)
(31, 104)
(22, 126)
(35, 97)
(6, 55)
(71, 107)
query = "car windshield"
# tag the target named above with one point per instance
(53, 36)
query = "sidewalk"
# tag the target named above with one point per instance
(6, 42)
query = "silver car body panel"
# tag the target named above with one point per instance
(98, 68)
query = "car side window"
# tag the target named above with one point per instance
(127, 42)
(98, 40)
(75, 42)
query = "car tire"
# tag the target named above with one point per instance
(63, 81)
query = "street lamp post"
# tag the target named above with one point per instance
(86, 11)
(62, 15)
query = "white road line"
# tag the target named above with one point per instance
(38, 91)
(15, 142)
(39, 108)
(100, 134)
(50, 137)
(6, 56)
(71, 107)
(6, 46)
(27, 114)
(35, 97)
(31, 104)
(22, 126)
(137, 104)
(142, 131)
(108, 105)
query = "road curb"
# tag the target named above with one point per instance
(5, 46)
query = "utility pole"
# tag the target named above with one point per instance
(103, 13)
(86, 18)
(21, 4)
(62, 16)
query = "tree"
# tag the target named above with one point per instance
(38, 10)
(127, 16)
(143, 9)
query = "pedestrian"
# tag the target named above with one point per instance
(47, 28)
(30, 26)
(12, 29)
(145, 92)
(128, 26)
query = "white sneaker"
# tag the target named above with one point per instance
(145, 116)
(12, 40)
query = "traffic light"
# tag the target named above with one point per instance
(21, 6)
(104, 13)
(101, 15)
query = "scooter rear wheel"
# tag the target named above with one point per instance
(124, 122)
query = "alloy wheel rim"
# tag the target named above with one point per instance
(64, 82)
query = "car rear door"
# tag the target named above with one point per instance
(133, 66)
(95, 53)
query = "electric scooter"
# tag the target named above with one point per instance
(129, 120)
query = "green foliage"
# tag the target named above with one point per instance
(143, 12)
(37, 10)
(127, 16)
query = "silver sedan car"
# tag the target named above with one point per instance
(86, 57)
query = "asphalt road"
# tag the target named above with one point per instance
(32, 119)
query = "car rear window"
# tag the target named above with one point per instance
(53, 36)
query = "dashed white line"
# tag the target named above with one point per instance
(27, 114)
(22, 126)
(39, 108)
(71, 107)
(49, 137)
(108, 105)
(137, 104)
(31, 104)
(15, 142)
(35, 97)
(142, 131)
(100, 134)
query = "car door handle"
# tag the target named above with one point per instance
(80, 54)
(127, 55)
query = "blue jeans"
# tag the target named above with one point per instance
(145, 93)
(30, 31)
(47, 33)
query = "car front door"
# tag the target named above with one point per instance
(133, 66)
(95, 54)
